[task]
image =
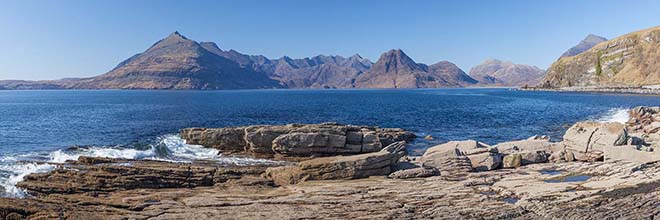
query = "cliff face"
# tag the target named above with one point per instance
(494, 72)
(630, 60)
(395, 69)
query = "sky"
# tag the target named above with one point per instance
(52, 39)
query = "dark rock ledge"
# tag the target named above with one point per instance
(598, 171)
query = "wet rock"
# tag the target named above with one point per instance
(340, 167)
(418, 172)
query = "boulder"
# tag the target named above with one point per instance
(593, 136)
(450, 158)
(485, 161)
(340, 167)
(532, 157)
(512, 161)
(418, 172)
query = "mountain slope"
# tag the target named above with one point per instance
(629, 60)
(395, 69)
(177, 63)
(493, 72)
(584, 45)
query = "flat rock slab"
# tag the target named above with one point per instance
(615, 190)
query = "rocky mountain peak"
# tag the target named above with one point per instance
(587, 43)
(396, 60)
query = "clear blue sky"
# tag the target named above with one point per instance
(50, 39)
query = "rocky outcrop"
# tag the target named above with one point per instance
(629, 60)
(340, 167)
(296, 141)
(90, 174)
(494, 72)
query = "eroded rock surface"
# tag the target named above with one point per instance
(296, 141)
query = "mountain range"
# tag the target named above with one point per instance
(177, 62)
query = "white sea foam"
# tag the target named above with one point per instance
(168, 148)
(615, 115)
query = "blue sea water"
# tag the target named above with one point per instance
(43, 125)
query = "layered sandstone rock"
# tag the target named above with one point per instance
(340, 167)
(295, 141)
(90, 174)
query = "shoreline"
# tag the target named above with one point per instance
(606, 90)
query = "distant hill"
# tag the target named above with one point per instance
(628, 60)
(394, 69)
(493, 72)
(584, 45)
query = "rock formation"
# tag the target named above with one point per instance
(626, 61)
(494, 72)
(296, 140)
(340, 167)
(394, 69)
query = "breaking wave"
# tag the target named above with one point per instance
(170, 148)
(620, 115)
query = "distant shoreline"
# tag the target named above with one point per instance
(650, 90)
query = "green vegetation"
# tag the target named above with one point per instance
(599, 69)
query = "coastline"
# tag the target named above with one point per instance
(331, 170)
(594, 89)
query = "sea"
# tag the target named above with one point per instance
(39, 129)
